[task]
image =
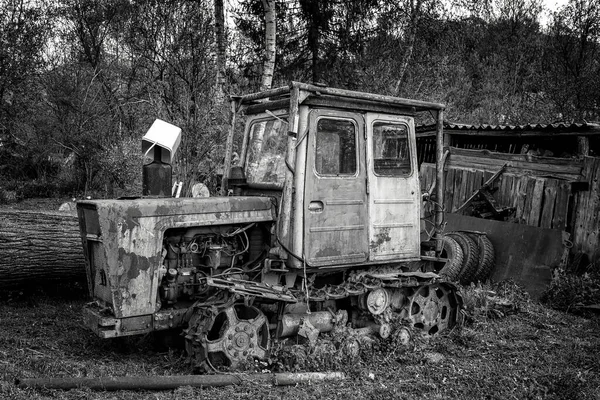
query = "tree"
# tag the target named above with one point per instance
(174, 45)
(24, 30)
(270, 40)
(220, 40)
(573, 60)
(414, 17)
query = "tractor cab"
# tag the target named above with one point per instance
(351, 163)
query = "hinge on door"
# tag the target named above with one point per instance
(367, 182)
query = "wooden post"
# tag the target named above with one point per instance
(228, 149)
(439, 181)
(583, 146)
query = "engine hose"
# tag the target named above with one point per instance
(284, 247)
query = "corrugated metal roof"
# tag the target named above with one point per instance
(555, 127)
(528, 127)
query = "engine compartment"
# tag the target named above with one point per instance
(192, 255)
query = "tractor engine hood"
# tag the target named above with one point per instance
(123, 241)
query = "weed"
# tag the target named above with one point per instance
(571, 292)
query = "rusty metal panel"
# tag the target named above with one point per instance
(130, 238)
(139, 324)
(394, 197)
(335, 200)
(97, 259)
(525, 254)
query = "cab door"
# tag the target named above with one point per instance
(394, 193)
(335, 197)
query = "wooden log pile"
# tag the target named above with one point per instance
(39, 248)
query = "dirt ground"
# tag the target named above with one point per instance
(535, 353)
(532, 352)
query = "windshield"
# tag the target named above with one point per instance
(266, 152)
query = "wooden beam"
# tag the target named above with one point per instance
(560, 168)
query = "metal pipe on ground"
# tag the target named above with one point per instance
(173, 382)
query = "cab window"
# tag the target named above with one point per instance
(266, 152)
(391, 150)
(336, 147)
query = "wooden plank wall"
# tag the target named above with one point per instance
(426, 149)
(520, 164)
(539, 201)
(586, 224)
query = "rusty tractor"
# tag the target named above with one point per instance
(318, 225)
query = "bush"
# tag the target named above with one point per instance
(120, 169)
(7, 196)
(487, 300)
(571, 292)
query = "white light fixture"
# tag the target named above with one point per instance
(164, 135)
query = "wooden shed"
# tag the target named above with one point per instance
(549, 180)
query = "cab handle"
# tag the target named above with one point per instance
(315, 206)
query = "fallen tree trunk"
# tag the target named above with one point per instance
(37, 248)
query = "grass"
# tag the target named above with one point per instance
(527, 351)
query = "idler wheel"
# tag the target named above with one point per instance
(377, 301)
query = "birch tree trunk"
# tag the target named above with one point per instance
(37, 248)
(221, 49)
(270, 41)
(413, 26)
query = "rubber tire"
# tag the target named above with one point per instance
(470, 257)
(486, 257)
(454, 254)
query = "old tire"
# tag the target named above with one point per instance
(453, 252)
(486, 256)
(470, 257)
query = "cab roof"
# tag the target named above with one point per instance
(324, 96)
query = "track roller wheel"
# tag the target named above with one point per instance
(434, 308)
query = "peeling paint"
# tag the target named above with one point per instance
(133, 214)
(328, 252)
(132, 263)
(382, 237)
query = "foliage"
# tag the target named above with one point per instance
(573, 60)
(82, 79)
(485, 300)
(571, 292)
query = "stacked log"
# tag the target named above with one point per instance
(38, 248)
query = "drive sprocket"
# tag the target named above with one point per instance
(224, 338)
(434, 308)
